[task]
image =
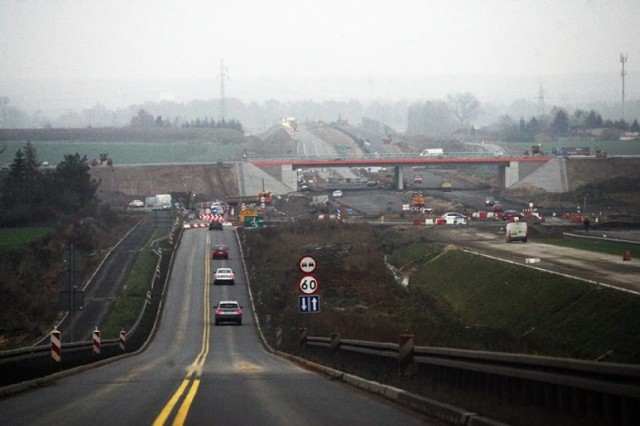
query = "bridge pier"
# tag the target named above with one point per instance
(289, 176)
(398, 177)
(501, 177)
(510, 174)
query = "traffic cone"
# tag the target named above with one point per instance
(626, 255)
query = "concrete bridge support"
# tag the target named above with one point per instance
(289, 176)
(510, 175)
(501, 176)
(398, 178)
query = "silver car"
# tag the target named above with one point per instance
(228, 311)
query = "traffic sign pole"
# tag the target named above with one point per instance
(308, 285)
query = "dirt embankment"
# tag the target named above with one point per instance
(340, 141)
(126, 183)
(581, 171)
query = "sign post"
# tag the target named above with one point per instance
(308, 285)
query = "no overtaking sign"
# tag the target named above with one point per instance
(307, 264)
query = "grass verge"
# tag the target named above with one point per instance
(16, 238)
(126, 309)
(453, 299)
(601, 246)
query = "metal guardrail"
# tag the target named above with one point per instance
(620, 379)
(609, 390)
(387, 156)
(33, 362)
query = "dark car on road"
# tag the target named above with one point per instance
(215, 225)
(220, 251)
(512, 215)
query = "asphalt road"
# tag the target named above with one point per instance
(197, 373)
(101, 291)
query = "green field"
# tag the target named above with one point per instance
(608, 247)
(15, 238)
(130, 152)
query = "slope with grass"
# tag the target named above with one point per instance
(454, 299)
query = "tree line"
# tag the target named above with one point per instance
(146, 120)
(561, 124)
(31, 194)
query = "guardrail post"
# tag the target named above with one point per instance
(335, 341)
(405, 354)
(278, 337)
(122, 340)
(56, 345)
(96, 341)
(302, 337)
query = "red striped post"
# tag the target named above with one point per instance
(148, 297)
(302, 337)
(405, 353)
(122, 340)
(96, 341)
(278, 337)
(56, 345)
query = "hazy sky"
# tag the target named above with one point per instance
(187, 39)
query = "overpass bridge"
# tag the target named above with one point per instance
(509, 167)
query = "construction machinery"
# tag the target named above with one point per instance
(101, 160)
(262, 197)
(417, 201)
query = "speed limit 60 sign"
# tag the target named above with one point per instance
(308, 284)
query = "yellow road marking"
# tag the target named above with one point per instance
(196, 367)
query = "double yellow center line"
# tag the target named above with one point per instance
(189, 386)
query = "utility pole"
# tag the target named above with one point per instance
(222, 76)
(623, 73)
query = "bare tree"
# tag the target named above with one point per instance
(465, 107)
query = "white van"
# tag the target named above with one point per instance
(432, 152)
(516, 231)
